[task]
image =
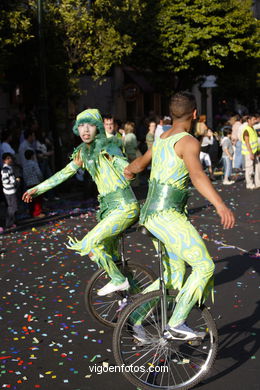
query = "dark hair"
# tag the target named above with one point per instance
(226, 131)
(182, 105)
(28, 154)
(108, 116)
(6, 155)
(27, 133)
(250, 116)
(5, 135)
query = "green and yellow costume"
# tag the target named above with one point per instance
(118, 205)
(163, 214)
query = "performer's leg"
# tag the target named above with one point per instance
(249, 172)
(100, 242)
(183, 243)
(181, 238)
(257, 171)
(174, 269)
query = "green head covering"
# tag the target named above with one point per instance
(101, 142)
(91, 116)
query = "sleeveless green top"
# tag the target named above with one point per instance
(169, 179)
(167, 167)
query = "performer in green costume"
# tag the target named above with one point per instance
(119, 209)
(175, 156)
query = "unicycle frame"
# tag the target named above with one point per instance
(162, 287)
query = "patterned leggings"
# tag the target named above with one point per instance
(181, 243)
(102, 240)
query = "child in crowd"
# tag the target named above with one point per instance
(9, 189)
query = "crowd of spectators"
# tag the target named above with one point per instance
(229, 151)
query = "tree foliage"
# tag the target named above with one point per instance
(15, 24)
(195, 32)
(91, 36)
(185, 37)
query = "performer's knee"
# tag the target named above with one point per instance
(206, 268)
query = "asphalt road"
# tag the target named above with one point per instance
(48, 339)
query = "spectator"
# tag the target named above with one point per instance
(206, 141)
(201, 126)
(251, 149)
(150, 134)
(32, 176)
(164, 125)
(237, 142)
(215, 150)
(159, 128)
(6, 139)
(43, 155)
(130, 141)
(27, 144)
(9, 189)
(227, 156)
(110, 127)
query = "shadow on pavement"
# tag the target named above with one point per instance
(236, 267)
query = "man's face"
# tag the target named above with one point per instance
(109, 125)
(252, 121)
(87, 132)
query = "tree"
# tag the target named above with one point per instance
(15, 24)
(194, 37)
(90, 36)
(206, 30)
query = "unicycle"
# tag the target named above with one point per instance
(159, 363)
(107, 309)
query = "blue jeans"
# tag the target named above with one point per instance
(238, 160)
(227, 163)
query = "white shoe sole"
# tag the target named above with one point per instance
(116, 288)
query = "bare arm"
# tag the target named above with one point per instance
(246, 139)
(138, 165)
(188, 149)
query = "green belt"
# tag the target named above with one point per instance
(163, 197)
(109, 202)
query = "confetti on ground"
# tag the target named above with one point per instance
(48, 339)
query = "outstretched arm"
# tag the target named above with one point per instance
(53, 181)
(138, 165)
(188, 149)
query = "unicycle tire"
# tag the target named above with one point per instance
(158, 363)
(106, 309)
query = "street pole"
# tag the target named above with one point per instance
(43, 103)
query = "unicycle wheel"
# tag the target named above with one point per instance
(158, 363)
(106, 309)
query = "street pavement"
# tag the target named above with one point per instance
(48, 339)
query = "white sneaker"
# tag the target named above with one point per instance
(110, 287)
(227, 182)
(182, 332)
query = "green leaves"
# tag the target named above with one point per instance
(165, 36)
(206, 31)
